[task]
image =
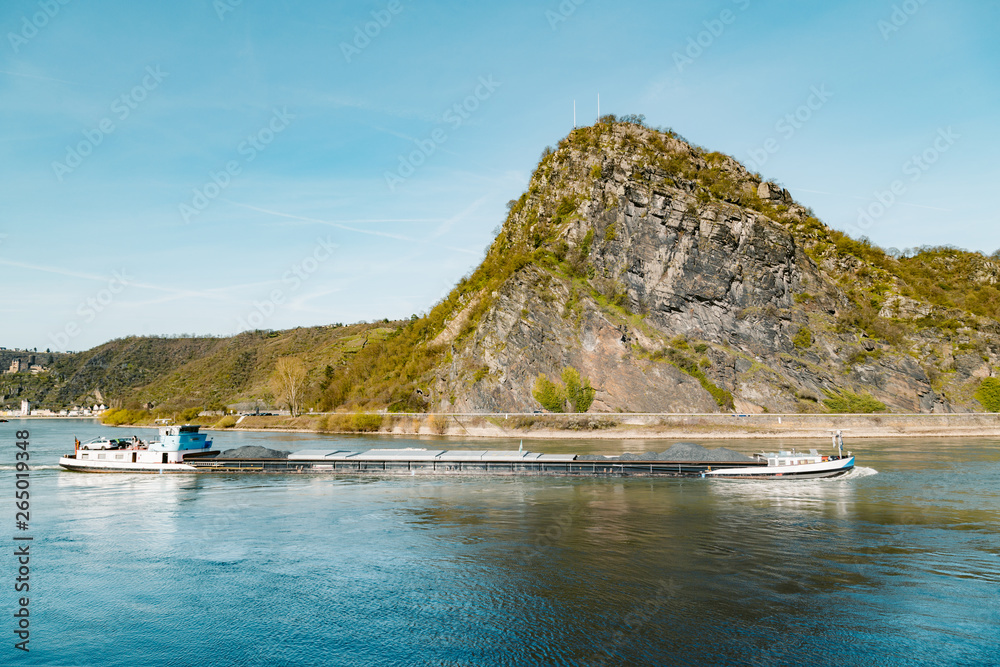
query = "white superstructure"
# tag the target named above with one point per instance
(793, 465)
(133, 455)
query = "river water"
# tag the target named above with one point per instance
(898, 563)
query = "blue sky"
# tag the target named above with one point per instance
(207, 167)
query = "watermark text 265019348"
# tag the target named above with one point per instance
(22, 541)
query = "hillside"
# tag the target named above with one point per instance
(669, 277)
(173, 374)
(678, 281)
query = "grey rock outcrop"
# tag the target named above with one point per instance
(667, 300)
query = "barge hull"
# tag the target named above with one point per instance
(504, 468)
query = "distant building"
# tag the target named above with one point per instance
(15, 366)
(25, 408)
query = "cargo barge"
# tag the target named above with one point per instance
(181, 449)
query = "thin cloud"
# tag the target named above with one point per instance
(40, 78)
(105, 279)
(465, 212)
(348, 228)
(901, 203)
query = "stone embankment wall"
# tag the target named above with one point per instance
(643, 426)
(726, 426)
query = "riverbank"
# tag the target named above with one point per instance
(633, 426)
(613, 426)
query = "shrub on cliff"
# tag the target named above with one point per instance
(574, 394)
(551, 395)
(803, 338)
(579, 393)
(988, 394)
(849, 402)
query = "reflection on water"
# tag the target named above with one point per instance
(898, 567)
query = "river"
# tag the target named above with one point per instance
(897, 563)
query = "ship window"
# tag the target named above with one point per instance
(101, 456)
(119, 456)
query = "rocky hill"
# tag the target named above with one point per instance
(672, 279)
(678, 281)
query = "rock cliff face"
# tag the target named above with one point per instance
(677, 281)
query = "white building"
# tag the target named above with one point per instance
(25, 408)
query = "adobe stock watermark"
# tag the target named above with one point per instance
(790, 124)
(48, 10)
(223, 523)
(900, 16)
(248, 151)
(365, 32)
(714, 29)
(455, 116)
(292, 280)
(565, 10)
(544, 539)
(914, 168)
(121, 108)
(223, 7)
(634, 621)
(90, 308)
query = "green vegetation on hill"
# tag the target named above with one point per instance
(988, 394)
(122, 417)
(849, 402)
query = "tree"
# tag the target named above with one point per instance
(579, 393)
(551, 395)
(288, 382)
(574, 390)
